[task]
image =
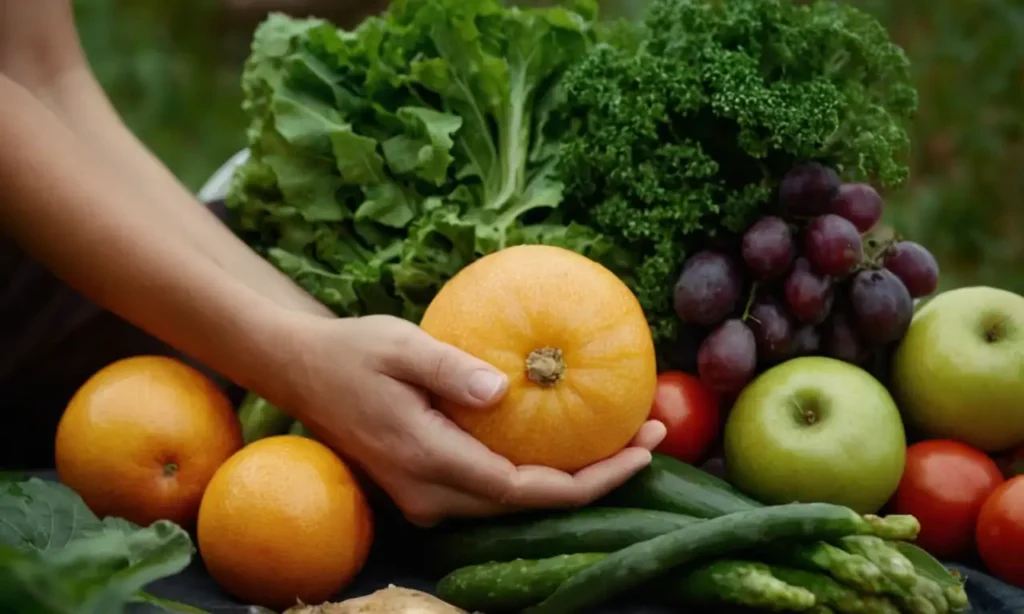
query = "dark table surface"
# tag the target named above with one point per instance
(195, 587)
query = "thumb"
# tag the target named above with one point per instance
(446, 371)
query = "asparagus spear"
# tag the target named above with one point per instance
(741, 583)
(926, 565)
(898, 569)
(842, 599)
(889, 560)
(852, 570)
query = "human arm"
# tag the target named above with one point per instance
(72, 214)
(40, 49)
(362, 384)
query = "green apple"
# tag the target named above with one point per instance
(816, 429)
(959, 371)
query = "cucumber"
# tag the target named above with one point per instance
(639, 563)
(513, 585)
(543, 535)
(297, 428)
(260, 419)
(671, 485)
(510, 586)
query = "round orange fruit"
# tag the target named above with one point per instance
(284, 521)
(143, 436)
(574, 343)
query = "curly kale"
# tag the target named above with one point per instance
(686, 139)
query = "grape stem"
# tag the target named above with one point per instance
(877, 259)
(750, 301)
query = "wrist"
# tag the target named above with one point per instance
(280, 366)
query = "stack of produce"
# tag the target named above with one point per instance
(689, 538)
(672, 219)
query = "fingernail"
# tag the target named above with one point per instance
(485, 385)
(642, 460)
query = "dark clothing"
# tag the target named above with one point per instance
(52, 340)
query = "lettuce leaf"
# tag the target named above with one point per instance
(57, 557)
(387, 158)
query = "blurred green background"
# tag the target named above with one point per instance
(172, 69)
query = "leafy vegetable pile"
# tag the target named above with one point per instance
(385, 159)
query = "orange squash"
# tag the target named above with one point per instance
(574, 343)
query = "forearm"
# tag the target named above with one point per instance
(72, 214)
(83, 106)
(43, 54)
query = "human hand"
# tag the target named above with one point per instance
(366, 386)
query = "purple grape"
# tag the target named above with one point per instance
(841, 340)
(860, 204)
(772, 328)
(806, 342)
(915, 266)
(768, 248)
(727, 359)
(808, 190)
(882, 307)
(708, 289)
(808, 295)
(833, 245)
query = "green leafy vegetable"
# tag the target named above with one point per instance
(386, 159)
(57, 557)
(686, 139)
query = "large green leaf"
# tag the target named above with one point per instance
(57, 557)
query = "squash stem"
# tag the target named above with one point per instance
(545, 366)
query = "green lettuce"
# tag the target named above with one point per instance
(385, 159)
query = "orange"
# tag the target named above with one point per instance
(143, 436)
(284, 521)
(575, 345)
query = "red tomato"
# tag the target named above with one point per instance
(944, 485)
(689, 410)
(1000, 533)
(1012, 463)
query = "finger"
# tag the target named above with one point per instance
(464, 463)
(650, 435)
(442, 502)
(545, 487)
(445, 370)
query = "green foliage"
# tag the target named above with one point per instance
(172, 69)
(57, 557)
(688, 139)
(386, 159)
(964, 198)
(162, 64)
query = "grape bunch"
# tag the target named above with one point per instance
(807, 281)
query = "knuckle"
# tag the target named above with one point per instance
(419, 510)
